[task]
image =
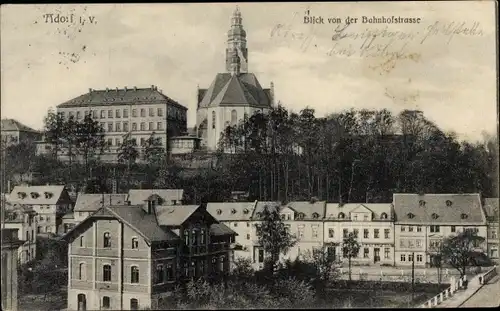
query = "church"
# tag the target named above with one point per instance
(233, 94)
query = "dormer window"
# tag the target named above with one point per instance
(411, 216)
(34, 195)
(219, 212)
(383, 216)
(448, 203)
(421, 203)
(300, 216)
(434, 216)
(21, 195)
(48, 195)
(233, 211)
(341, 215)
(315, 215)
(245, 211)
(464, 216)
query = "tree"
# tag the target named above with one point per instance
(154, 153)
(90, 139)
(274, 236)
(461, 250)
(54, 131)
(350, 248)
(128, 154)
(324, 262)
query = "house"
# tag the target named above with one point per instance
(372, 223)
(422, 221)
(492, 218)
(9, 286)
(237, 216)
(88, 203)
(131, 257)
(23, 219)
(14, 132)
(166, 196)
(49, 202)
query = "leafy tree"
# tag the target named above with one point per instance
(19, 158)
(350, 248)
(274, 236)
(90, 139)
(323, 261)
(154, 153)
(128, 154)
(242, 269)
(54, 127)
(70, 141)
(461, 250)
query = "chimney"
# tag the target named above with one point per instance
(90, 90)
(152, 87)
(117, 89)
(125, 88)
(135, 88)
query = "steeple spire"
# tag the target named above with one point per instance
(236, 43)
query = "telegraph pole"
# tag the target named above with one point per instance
(412, 276)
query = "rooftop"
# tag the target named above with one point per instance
(92, 202)
(14, 125)
(231, 211)
(45, 195)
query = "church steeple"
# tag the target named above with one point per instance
(236, 43)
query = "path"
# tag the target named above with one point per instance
(487, 296)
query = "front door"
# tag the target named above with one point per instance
(376, 257)
(82, 302)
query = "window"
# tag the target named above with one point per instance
(355, 217)
(118, 142)
(387, 253)
(193, 237)
(434, 216)
(186, 237)
(402, 243)
(434, 228)
(365, 217)
(411, 216)
(234, 117)
(202, 237)
(410, 229)
(419, 228)
(134, 274)
(383, 216)
(159, 274)
(346, 233)
(125, 126)
(48, 218)
(331, 233)
(105, 302)
(110, 126)
(159, 126)
(143, 112)
(106, 273)
(410, 257)
(150, 126)
(151, 112)
(143, 141)
(170, 271)
(387, 233)
(78, 115)
(135, 243)
(134, 304)
(134, 126)
(403, 228)
(366, 233)
(110, 113)
(118, 113)
(419, 243)
(110, 143)
(47, 229)
(411, 244)
(103, 126)
(186, 269)
(125, 113)
(134, 113)
(463, 216)
(448, 203)
(376, 233)
(248, 236)
(261, 256)
(107, 240)
(300, 229)
(213, 119)
(341, 215)
(366, 252)
(118, 126)
(419, 258)
(81, 271)
(421, 203)
(94, 114)
(453, 229)
(159, 112)
(403, 257)
(356, 233)
(143, 126)
(82, 241)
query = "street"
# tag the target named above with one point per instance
(487, 296)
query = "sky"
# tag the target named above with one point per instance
(451, 77)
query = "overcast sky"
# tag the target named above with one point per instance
(178, 46)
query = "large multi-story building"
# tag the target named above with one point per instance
(424, 220)
(50, 203)
(232, 95)
(136, 113)
(14, 132)
(372, 223)
(23, 219)
(492, 218)
(131, 257)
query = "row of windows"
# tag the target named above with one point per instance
(118, 113)
(118, 141)
(366, 253)
(134, 242)
(418, 228)
(403, 258)
(182, 144)
(123, 126)
(197, 237)
(106, 303)
(411, 243)
(366, 233)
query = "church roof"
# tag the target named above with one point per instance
(242, 89)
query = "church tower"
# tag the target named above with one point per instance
(236, 44)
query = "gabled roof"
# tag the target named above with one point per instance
(14, 125)
(90, 202)
(242, 89)
(361, 208)
(271, 205)
(436, 205)
(111, 97)
(56, 192)
(231, 211)
(309, 209)
(219, 229)
(334, 209)
(140, 196)
(174, 215)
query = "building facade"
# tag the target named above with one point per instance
(14, 132)
(23, 219)
(372, 223)
(50, 203)
(131, 257)
(233, 95)
(492, 217)
(9, 286)
(135, 113)
(424, 220)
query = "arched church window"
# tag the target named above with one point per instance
(234, 117)
(213, 119)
